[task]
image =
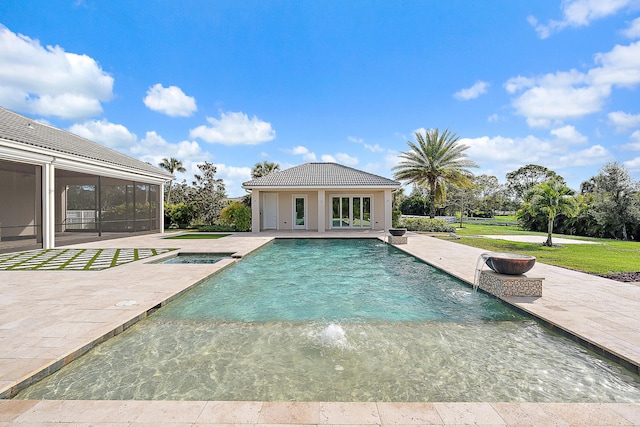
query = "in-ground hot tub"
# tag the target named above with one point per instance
(196, 258)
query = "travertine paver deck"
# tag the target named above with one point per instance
(47, 315)
(598, 310)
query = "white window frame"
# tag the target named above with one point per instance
(351, 196)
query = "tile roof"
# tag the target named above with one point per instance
(321, 175)
(18, 128)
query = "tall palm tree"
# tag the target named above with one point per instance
(552, 198)
(171, 165)
(433, 161)
(263, 169)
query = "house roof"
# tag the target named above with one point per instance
(321, 175)
(17, 128)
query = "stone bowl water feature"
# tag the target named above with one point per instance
(397, 231)
(511, 264)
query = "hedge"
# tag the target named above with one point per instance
(426, 224)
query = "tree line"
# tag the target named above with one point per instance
(436, 165)
(203, 203)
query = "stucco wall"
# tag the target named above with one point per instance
(285, 209)
(17, 204)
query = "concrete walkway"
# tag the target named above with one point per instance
(49, 317)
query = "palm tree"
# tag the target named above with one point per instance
(552, 198)
(435, 160)
(263, 169)
(171, 165)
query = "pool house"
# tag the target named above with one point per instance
(321, 197)
(60, 188)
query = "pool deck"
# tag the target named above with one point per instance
(49, 317)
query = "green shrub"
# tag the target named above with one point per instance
(178, 215)
(237, 215)
(426, 224)
(216, 228)
(395, 218)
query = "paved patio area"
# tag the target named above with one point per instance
(47, 317)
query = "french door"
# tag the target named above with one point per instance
(351, 212)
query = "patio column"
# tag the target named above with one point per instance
(255, 211)
(321, 211)
(48, 206)
(387, 210)
(161, 208)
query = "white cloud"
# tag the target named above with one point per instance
(554, 97)
(589, 156)
(171, 101)
(153, 145)
(152, 148)
(328, 158)
(634, 142)
(233, 178)
(623, 121)
(347, 159)
(49, 81)
(633, 164)
(235, 128)
(109, 134)
(391, 159)
(504, 154)
(494, 118)
(633, 31)
(579, 13)
(473, 92)
(374, 148)
(558, 96)
(619, 67)
(569, 134)
(300, 150)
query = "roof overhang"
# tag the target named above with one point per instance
(25, 153)
(316, 188)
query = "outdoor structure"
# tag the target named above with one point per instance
(321, 197)
(55, 184)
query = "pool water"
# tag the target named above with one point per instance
(338, 320)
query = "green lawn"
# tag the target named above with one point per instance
(198, 236)
(609, 256)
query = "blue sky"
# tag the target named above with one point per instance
(551, 82)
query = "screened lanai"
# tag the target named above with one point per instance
(58, 188)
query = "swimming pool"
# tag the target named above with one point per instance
(338, 320)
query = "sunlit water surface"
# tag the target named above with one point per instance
(338, 320)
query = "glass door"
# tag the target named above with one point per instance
(351, 212)
(300, 212)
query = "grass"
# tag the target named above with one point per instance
(608, 256)
(192, 236)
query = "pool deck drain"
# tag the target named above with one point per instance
(47, 317)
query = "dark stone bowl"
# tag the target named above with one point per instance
(397, 231)
(512, 264)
